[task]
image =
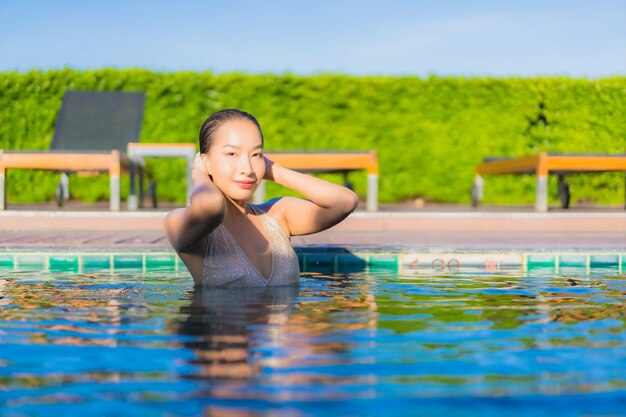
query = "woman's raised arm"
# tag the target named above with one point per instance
(326, 205)
(186, 227)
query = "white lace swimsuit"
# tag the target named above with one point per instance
(226, 265)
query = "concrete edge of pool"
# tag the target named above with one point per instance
(462, 221)
(403, 241)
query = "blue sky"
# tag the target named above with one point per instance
(394, 37)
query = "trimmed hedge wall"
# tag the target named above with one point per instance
(429, 133)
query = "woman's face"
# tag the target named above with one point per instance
(235, 160)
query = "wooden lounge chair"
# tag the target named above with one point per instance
(92, 132)
(544, 164)
(342, 162)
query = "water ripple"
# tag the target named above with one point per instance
(354, 343)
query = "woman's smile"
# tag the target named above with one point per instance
(245, 184)
(235, 161)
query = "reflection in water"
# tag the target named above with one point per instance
(226, 322)
(368, 342)
(86, 310)
(281, 343)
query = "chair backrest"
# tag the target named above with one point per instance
(98, 120)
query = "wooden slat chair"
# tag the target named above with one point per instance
(544, 164)
(91, 135)
(342, 162)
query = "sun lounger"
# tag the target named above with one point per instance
(92, 133)
(330, 162)
(64, 162)
(542, 165)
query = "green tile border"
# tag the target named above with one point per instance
(347, 259)
(31, 261)
(160, 261)
(88, 261)
(408, 263)
(541, 259)
(7, 260)
(64, 262)
(610, 261)
(128, 261)
(573, 260)
(383, 260)
(95, 261)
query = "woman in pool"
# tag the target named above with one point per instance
(223, 240)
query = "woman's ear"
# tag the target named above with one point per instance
(205, 161)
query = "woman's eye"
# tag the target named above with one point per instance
(258, 155)
(230, 154)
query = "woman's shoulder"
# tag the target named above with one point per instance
(186, 235)
(173, 221)
(274, 208)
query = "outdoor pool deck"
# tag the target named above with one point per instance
(401, 240)
(437, 228)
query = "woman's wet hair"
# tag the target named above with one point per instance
(216, 120)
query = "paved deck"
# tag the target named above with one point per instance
(369, 241)
(450, 228)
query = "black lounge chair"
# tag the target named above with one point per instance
(92, 133)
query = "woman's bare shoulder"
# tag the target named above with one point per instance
(276, 209)
(185, 235)
(174, 220)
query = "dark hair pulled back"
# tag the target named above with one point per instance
(216, 120)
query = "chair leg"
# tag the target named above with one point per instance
(114, 198)
(152, 189)
(372, 192)
(346, 181)
(477, 191)
(62, 192)
(541, 193)
(132, 196)
(541, 189)
(190, 159)
(142, 174)
(66, 186)
(114, 180)
(564, 194)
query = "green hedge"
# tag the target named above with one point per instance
(429, 133)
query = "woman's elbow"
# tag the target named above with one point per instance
(187, 227)
(207, 204)
(350, 201)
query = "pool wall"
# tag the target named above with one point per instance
(326, 258)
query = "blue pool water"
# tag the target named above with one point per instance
(362, 343)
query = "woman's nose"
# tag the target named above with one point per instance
(245, 167)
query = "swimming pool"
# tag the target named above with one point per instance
(371, 340)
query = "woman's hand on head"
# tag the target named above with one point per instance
(199, 172)
(188, 227)
(269, 169)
